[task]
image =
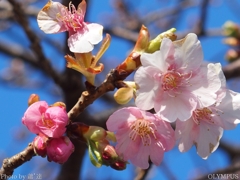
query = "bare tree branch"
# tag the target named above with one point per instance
(17, 160)
(43, 62)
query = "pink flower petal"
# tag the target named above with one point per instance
(141, 158)
(115, 121)
(54, 122)
(34, 114)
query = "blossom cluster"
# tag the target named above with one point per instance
(49, 123)
(172, 84)
(175, 84)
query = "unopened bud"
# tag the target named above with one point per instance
(232, 55)
(232, 41)
(32, 99)
(109, 153)
(40, 145)
(231, 29)
(119, 165)
(155, 44)
(142, 41)
(126, 93)
(59, 104)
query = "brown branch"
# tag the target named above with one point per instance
(232, 70)
(88, 97)
(18, 51)
(9, 164)
(43, 62)
(142, 173)
(200, 26)
(6, 10)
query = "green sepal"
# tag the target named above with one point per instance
(92, 155)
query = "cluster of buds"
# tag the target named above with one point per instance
(49, 123)
(101, 152)
(232, 33)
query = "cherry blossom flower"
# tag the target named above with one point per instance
(56, 18)
(140, 135)
(174, 79)
(59, 149)
(205, 127)
(40, 118)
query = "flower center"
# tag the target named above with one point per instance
(171, 80)
(48, 123)
(202, 114)
(143, 129)
(72, 19)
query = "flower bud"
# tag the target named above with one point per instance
(109, 153)
(232, 41)
(32, 99)
(124, 94)
(132, 62)
(119, 165)
(59, 149)
(59, 104)
(155, 44)
(142, 41)
(232, 55)
(40, 145)
(231, 29)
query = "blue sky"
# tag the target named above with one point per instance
(13, 100)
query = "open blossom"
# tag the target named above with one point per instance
(55, 18)
(140, 135)
(205, 127)
(50, 121)
(174, 79)
(59, 149)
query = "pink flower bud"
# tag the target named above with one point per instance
(59, 149)
(40, 145)
(109, 153)
(119, 165)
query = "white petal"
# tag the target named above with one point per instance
(144, 78)
(190, 51)
(79, 43)
(172, 108)
(208, 139)
(229, 115)
(185, 134)
(157, 59)
(94, 34)
(47, 20)
(205, 84)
